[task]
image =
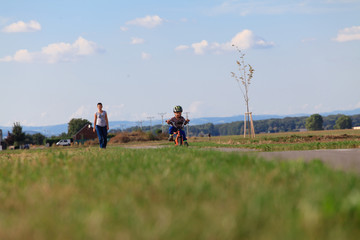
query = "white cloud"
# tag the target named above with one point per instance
(88, 111)
(305, 106)
(124, 29)
(147, 22)
(23, 55)
(357, 105)
(199, 48)
(136, 40)
(56, 52)
(181, 47)
(348, 34)
(21, 26)
(6, 59)
(194, 108)
(145, 56)
(245, 39)
(83, 112)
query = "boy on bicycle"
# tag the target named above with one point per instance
(178, 122)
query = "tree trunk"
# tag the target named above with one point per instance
(248, 118)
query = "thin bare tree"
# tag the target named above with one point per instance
(243, 79)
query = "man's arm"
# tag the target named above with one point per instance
(95, 122)
(107, 121)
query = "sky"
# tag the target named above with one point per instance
(58, 59)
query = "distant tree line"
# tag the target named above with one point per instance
(18, 138)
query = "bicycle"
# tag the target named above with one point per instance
(178, 137)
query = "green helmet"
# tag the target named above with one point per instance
(178, 109)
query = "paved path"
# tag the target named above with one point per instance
(144, 147)
(344, 159)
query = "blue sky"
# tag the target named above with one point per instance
(59, 58)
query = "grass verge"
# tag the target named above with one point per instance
(332, 139)
(269, 147)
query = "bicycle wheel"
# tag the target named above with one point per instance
(180, 141)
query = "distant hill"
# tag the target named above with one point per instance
(60, 128)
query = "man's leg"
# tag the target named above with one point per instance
(102, 137)
(98, 131)
(105, 137)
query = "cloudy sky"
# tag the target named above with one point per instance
(141, 57)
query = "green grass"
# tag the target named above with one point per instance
(172, 193)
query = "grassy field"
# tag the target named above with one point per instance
(333, 139)
(172, 193)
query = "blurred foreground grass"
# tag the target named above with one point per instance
(172, 193)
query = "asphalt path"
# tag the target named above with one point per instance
(342, 159)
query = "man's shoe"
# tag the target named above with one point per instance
(171, 138)
(186, 144)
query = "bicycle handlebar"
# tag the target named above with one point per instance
(173, 124)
